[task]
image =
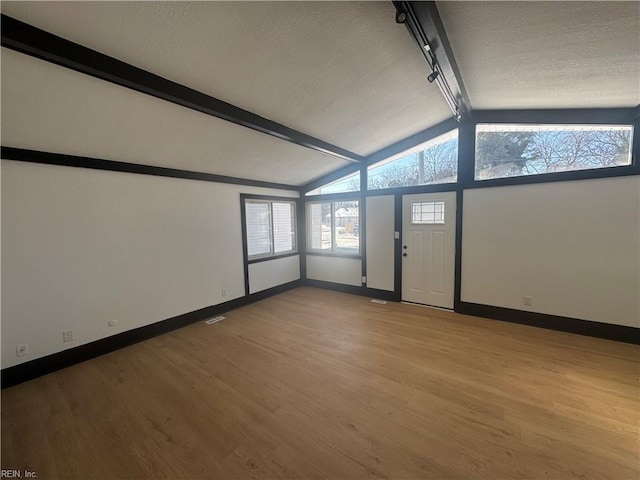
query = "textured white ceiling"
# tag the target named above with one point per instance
(51, 108)
(546, 54)
(344, 72)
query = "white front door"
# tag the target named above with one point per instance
(428, 248)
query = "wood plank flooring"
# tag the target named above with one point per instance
(314, 384)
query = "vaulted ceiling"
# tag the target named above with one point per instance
(343, 72)
(518, 55)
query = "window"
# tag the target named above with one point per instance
(516, 150)
(271, 227)
(333, 227)
(349, 183)
(435, 161)
(427, 213)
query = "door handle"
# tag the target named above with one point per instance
(404, 246)
(404, 254)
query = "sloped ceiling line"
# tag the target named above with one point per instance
(401, 146)
(27, 39)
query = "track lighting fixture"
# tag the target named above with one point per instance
(423, 23)
(401, 15)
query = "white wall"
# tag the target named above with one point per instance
(574, 247)
(335, 269)
(380, 242)
(81, 247)
(271, 273)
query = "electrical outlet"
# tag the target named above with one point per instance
(223, 292)
(67, 336)
(527, 301)
(21, 350)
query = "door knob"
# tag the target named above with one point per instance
(404, 254)
(404, 246)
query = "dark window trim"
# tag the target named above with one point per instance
(601, 116)
(243, 224)
(328, 178)
(319, 253)
(622, 116)
(591, 174)
(429, 188)
(355, 174)
(273, 257)
(333, 197)
(362, 226)
(604, 116)
(274, 198)
(386, 152)
(273, 254)
(358, 198)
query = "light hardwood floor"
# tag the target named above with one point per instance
(320, 384)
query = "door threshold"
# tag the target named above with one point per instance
(427, 306)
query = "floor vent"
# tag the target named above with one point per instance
(213, 320)
(381, 302)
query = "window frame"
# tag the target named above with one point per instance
(316, 191)
(581, 116)
(436, 204)
(431, 143)
(583, 173)
(332, 252)
(270, 200)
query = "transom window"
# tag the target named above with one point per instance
(348, 183)
(512, 150)
(270, 227)
(427, 213)
(435, 161)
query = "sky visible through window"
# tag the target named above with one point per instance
(435, 161)
(502, 150)
(515, 150)
(349, 183)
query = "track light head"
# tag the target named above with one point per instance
(432, 76)
(401, 15)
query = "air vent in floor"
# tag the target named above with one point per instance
(213, 320)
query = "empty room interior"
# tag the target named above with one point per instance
(320, 240)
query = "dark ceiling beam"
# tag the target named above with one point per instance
(49, 158)
(423, 22)
(33, 41)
